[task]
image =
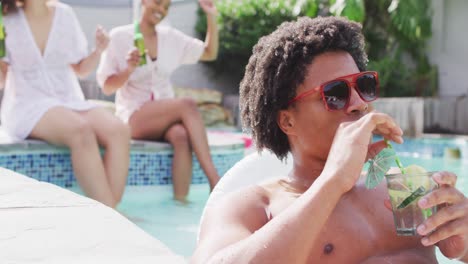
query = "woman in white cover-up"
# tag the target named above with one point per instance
(46, 51)
(144, 95)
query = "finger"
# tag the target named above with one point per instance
(392, 129)
(388, 131)
(445, 178)
(380, 123)
(454, 228)
(382, 130)
(132, 60)
(375, 148)
(442, 217)
(388, 204)
(441, 196)
(373, 119)
(395, 138)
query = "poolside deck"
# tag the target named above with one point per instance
(42, 223)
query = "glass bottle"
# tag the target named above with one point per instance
(139, 43)
(2, 34)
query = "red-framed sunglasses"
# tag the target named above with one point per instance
(336, 93)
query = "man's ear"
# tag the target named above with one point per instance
(285, 121)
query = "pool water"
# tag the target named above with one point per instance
(153, 209)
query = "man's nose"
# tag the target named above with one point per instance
(356, 104)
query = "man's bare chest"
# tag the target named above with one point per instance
(356, 230)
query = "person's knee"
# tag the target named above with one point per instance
(189, 104)
(118, 131)
(178, 135)
(80, 133)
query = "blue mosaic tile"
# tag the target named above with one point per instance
(146, 168)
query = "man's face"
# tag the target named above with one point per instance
(156, 10)
(312, 126)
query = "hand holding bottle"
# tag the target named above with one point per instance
(2, 34)
(133, 60)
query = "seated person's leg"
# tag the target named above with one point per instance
(114, 136)
(177, 135)
(61, 126)
(153, 119)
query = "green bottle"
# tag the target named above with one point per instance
(139, 43)
(2, 34)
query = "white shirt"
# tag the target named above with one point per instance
(153, 79)
(36, 82)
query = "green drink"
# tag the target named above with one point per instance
(2, 34)
(139, 43)
(405, 190)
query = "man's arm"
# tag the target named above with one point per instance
(237, 231)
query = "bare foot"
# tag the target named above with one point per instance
(182, 200)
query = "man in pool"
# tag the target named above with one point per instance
(305, 92)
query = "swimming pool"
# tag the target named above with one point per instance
(176, 225)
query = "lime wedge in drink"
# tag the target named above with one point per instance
(414, 179)
(415, 169)
(398, 195)
(418, 193)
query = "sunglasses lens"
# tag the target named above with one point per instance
(367, 87)
(336, 95)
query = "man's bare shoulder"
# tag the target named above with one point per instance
(235, 216)
(247, 198)
(248, 205)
